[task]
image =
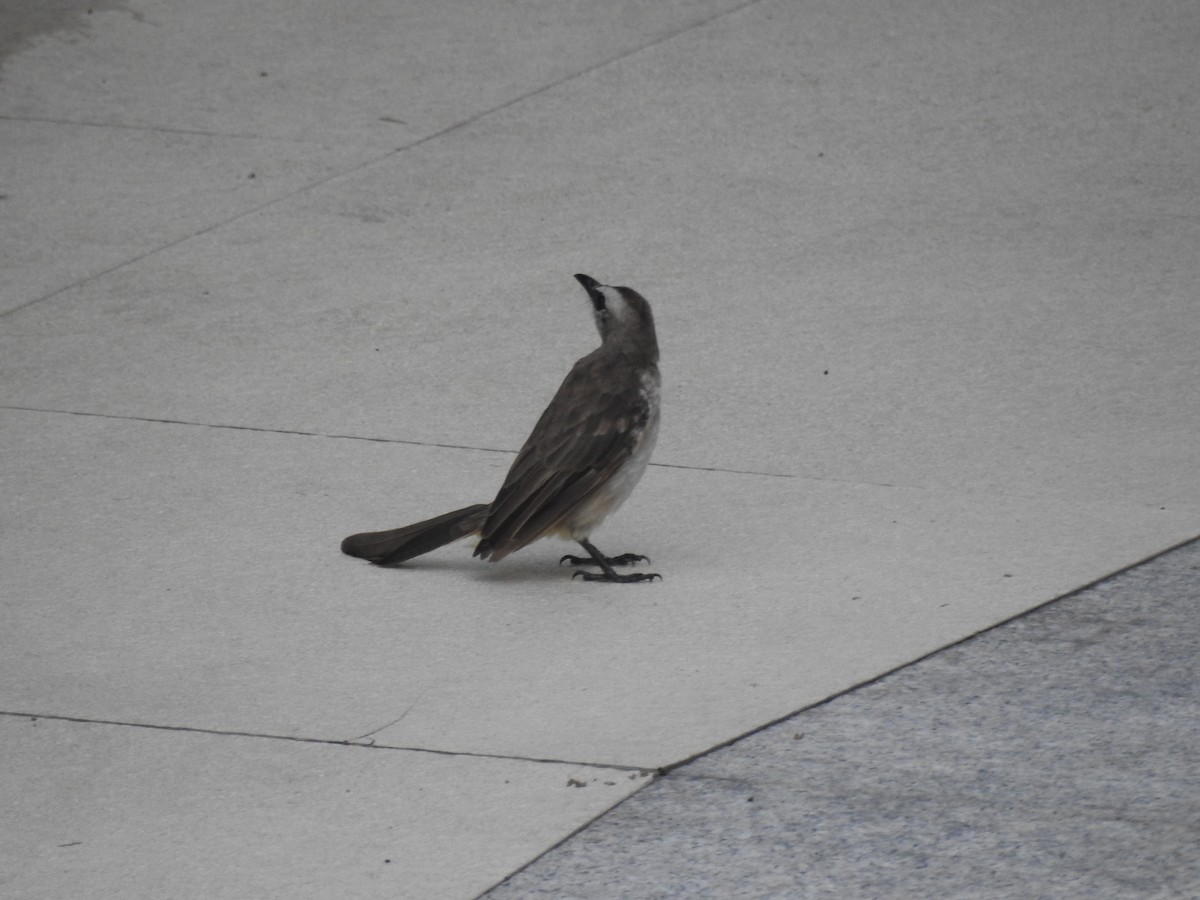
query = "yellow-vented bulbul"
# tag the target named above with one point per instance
(584, 457)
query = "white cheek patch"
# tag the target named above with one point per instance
(615, 303)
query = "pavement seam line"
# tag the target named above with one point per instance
(330, 742)
(353, 437)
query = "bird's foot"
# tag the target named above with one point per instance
(606, 564)
(613, 576)
(625, 559)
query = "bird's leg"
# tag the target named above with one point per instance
(606, 565)
(625, 559)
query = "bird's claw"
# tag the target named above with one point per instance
(633, 576)
(625, 559)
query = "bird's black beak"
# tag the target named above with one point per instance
(590, 284)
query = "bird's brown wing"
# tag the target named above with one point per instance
(586, 433)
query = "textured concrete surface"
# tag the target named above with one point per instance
(102, 810)
(924, 278)
(201, 587)
(1055, 756)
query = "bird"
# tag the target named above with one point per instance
(582, 460)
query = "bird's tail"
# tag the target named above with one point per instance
(391, 548)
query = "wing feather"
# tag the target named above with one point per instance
(583, 437)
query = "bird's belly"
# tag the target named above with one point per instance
(606, 500)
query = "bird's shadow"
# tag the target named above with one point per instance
(529, 571)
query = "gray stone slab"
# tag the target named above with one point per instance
(365, 73)
(112, 811)
(79, 200)
(188, 575)
(990, 254)
(1055, 756)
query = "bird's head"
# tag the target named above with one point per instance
(622, 316)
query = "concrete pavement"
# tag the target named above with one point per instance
(924, 279)
(1054, 756)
